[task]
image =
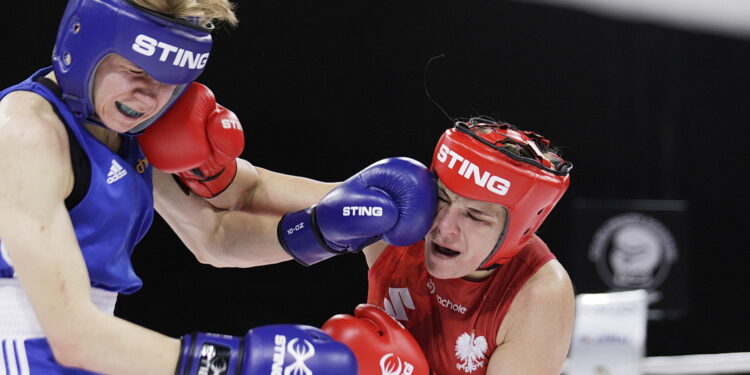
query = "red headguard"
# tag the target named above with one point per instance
(470, 161)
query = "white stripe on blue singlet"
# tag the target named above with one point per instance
(10, 357)
(22, 360)
(13, 360)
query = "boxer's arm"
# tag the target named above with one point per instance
(200, 142)
(535, 335)
(245, 235)
(38, 236)
(232, 223)
(277, 193)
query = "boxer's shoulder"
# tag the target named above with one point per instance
(543, 297)
(27, 115)
(30, 127)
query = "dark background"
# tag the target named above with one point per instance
(324, 88)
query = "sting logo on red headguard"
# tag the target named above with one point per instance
(495, 184)
(472, 160)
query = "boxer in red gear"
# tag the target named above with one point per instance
(482, 294)
(74, 212)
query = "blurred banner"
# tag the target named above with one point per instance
(724, 17)
(633, 244)
(609, 337)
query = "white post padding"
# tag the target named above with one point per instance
(609, 336)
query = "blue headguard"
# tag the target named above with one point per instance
(172, 51)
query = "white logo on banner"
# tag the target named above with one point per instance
(470, 350)
(633, 250)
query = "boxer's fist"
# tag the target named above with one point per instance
(393, 199)
(274, 349)
(380, 343)
(198, 140)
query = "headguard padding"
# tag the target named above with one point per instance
(471, 161)
(171, 50)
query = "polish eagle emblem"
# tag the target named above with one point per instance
(470, 351)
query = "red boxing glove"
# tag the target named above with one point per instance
(380, 343)
(197, 139)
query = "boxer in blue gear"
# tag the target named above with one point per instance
(78, 206)
(77, 195)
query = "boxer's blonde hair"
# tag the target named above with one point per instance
(207, 11)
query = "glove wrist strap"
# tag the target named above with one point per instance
(209, 353)
(211, 186)
(299, 235)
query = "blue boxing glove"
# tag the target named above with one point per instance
(275, 349)
(393, 200)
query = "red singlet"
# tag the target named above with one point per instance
(455, 321)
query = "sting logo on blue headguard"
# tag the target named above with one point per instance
(171, 50)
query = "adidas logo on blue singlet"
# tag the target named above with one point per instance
(116, 172)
